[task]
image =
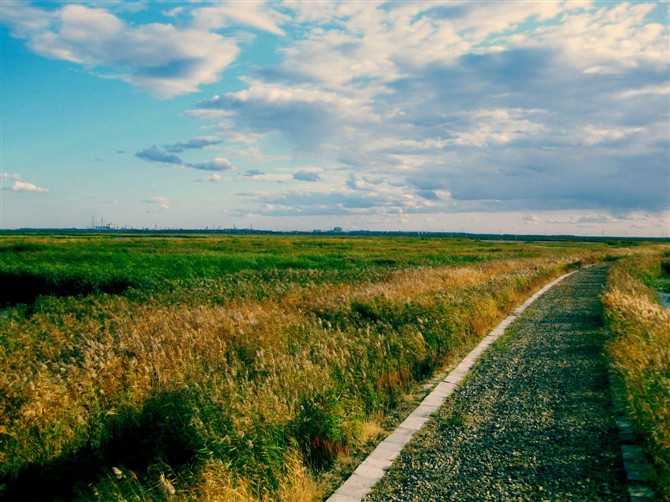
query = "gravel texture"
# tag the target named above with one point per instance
(533, 421)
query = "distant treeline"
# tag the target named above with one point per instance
(185, 232)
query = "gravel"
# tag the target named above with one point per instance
(533, 421)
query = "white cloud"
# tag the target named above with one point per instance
(607, 40)
(465, 106)
(214, 178)
(593, 135)
(161, 58)
(249, 14)
(307, 114)
(25, 19)
(162, 202)
(19, 185)
(304, 175)
(531, 219)
(155, 154)
(216, 164)
(497, 126)
(419, 106)
(645, 91)
(641, 219)
(24, 186)
(342, 105)
(193, 144)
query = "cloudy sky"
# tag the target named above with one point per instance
(520, 117)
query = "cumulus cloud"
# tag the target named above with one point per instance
(306, 114)
(307, 176)
(367, 198)
(164, 59)
(251, 14)
(531, 219)
(363, 183)
(625, 40)
(483, 108)
(162, 202)
(641, 219)
(323, 203)
(593, 135)
(648, 90)
(24, 186)
(216, 164)
(154, 154)
(192, 144)
(422, 106)
(214, 178)
(19, 185)
(497, 126)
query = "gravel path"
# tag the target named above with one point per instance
(534, 421)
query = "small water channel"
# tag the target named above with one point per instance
(665, 299)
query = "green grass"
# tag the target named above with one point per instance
(662, 282)
(62, 265)
(70, 265)
(230, 364)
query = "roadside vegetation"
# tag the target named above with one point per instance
(640, 349)
(230, 367)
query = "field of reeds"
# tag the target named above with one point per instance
(231, 367)
(640, 350)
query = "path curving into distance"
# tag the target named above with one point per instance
(534, 421)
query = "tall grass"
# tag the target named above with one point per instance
(244, 384)
(641, 352)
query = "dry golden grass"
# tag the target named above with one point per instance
(641, 354)
(255, 390)
(372, 429)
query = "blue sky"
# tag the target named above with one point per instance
(518, 117)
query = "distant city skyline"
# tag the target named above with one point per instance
(484, 117)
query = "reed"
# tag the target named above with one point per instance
(640, 351)
(243, 383)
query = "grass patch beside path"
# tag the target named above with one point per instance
(641, 352)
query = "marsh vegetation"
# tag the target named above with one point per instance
(640, 350)
(231, 367)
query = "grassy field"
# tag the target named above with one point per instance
(640, 349)
(231, 367)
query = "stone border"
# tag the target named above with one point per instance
(373, 468)
(640, 472)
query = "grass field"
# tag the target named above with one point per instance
(231, 367)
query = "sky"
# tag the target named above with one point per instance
(528, 117)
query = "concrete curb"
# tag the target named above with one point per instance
(640, 473)
(373, 468)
